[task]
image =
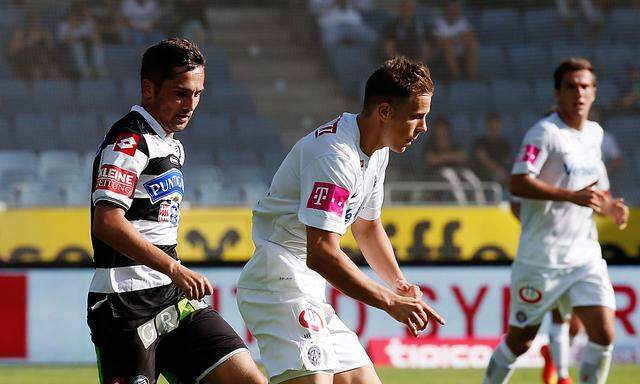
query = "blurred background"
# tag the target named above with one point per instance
(275, 71)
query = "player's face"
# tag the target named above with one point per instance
(577, 93)
(174, 103)
(408, 122)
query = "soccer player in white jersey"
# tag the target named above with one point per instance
(333, 178)
(561, 180)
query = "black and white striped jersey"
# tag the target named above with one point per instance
(137, 167)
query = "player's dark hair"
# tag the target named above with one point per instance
(572, 64)
(397, 80)
(168, 58)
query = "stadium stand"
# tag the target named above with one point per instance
(269, 84)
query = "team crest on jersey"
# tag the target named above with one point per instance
(314, 353)
(328, 197)
(169, 212)
(170, 183)
(126, 143)
(140, 379)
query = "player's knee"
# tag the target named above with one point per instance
(603, 336)
(519, 340)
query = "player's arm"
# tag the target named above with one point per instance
(527, 186)
(111, 226)
(325, 257)
(378, 251)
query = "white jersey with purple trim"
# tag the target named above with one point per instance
(560, 234)
(326, 182)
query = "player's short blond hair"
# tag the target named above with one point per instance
(397, 80)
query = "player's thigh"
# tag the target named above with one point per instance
(122, 355)
(361, 375)
(599, 323)
(239, 368)
(534, 292)
(202, 342)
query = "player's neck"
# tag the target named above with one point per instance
(370, 137)
(153, 114)
(573, 121)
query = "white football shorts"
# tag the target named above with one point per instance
(536, 290)
(299, 335)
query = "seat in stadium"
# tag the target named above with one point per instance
(253, 192)
(206, 132)
(17, 166)
(258, 133)
(562, 51)
(612, 60)
(123, 60)
(497, 25)
(608, 92)
(226, 98)
(491, 62)
(530, 61)
(217, 67)
(467, 96)
(36, 131)
(543, 92)
(96, 96)
(377, 18)
(18, 99)
(52, 96)
(463, 129)
(80, 132)
(625, 129)
(351, 65)
(58, 166)
(510, 96)
(78, 194)
(5, 131)
(544, 24)
(39, 194)
(130, 91)
(623, 24)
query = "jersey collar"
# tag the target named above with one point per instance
(157, 128)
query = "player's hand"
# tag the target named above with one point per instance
(619, 213)
(194, 285)
(412, 312)
(590, 197)
(404, 288)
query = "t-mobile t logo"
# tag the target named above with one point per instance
(328, 197)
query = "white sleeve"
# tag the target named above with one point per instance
(325, 186)
(372, 208)
(533, 152)
(121, 164)
(603, 179)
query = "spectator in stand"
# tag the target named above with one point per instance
(630, 97)
(78, 33)
(406, 35)
(31, 49)
(590, 13)
(191, 19)
(341, 23)
(457, 41)
(111, 25)
(492, 153)
(142, 18)
(445, 159)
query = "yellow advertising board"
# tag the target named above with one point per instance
(422, 233)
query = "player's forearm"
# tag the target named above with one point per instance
(343, 274)
(377, 250)
(532, 188)
(119, 234)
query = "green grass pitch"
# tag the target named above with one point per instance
(620, 374)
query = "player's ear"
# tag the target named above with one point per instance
(385, 111)
(148, 89)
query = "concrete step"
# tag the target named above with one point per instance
(270, 70)
(224, 17)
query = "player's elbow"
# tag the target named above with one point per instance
(320, 260)
(516, 185)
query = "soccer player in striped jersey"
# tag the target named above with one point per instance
(145, 309)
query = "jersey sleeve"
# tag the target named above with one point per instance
(325, 187)
(120, 165)
(533, 152)
(372, 208)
